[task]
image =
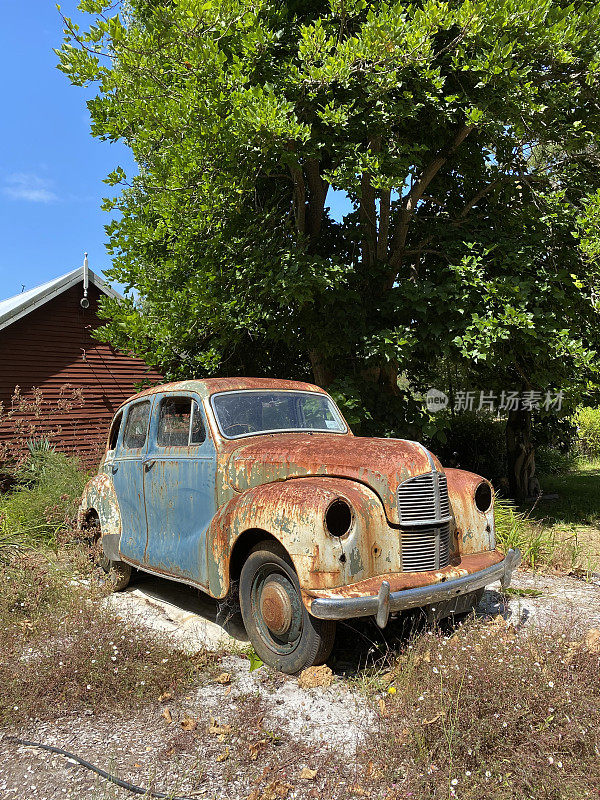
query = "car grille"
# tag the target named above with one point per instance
(425, 549)
(424, 512)
(423, 500)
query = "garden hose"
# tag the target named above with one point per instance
(130, 787)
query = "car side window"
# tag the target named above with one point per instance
(174, 422)
(114, 431)
(136, 427)
(197, 431)
(179, 423)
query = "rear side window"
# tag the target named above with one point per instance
(136, 426)
(114, 431)
(179, 423)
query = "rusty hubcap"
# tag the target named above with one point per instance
(276, 608)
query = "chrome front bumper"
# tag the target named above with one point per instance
(381, 605)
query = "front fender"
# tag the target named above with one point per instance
(293, 511)
(473, 529)
(99, 495)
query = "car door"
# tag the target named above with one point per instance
(179, 488)
(128, 478)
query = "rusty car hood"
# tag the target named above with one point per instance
(382, 464)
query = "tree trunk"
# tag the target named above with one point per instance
(520, 455)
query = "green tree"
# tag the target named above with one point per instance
(444, 122)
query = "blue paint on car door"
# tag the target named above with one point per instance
(179, 487)
(128, 479)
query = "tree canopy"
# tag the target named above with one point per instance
(463, 133)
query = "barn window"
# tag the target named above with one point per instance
(114, 431)
(136, 426)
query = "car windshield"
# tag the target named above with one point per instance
(244, 413)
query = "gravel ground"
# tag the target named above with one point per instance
(289, 726)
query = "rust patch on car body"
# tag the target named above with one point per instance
(99, 496)
(408, 580)
(473, 529)
(381, 464)
(293, 511)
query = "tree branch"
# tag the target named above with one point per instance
(414, 195)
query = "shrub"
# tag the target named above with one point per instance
(477, 439)
(551, 461)
(44, 502)
(588, 431)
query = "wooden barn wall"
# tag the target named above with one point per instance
(52, 348)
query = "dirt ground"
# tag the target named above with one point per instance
(207, 743)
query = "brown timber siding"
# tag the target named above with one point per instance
(52, 347)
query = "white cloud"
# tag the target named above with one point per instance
(30, 187)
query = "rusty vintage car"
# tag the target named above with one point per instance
(259, 486)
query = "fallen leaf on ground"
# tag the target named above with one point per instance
(438, 716)
(255, 748)
(224, 755)
(224, 678)
(275, 789)
(216, 729)
(591, 640)
(313, 677)
(356, 789)
(424, 658)
(308, 774)
(165, 696)
(381, 702)
(167, 715)
(189, 723)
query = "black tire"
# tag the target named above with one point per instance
(118, 573)
(292, 646)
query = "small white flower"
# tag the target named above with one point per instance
(550, 760)
(454, 782)
(551, 684)
(468, 773)
(559, 764)
(488, 774)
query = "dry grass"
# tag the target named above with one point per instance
(62, 651)
(489, 713)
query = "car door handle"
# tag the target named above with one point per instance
(149, 464)
(114, 468)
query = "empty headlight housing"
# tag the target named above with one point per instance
(483, 497)
(338, 517)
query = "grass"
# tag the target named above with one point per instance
(563, 533)
(43, 505)
(488, 713)
(61, 650)
(572, 520)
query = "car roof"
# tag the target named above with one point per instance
(208, 386)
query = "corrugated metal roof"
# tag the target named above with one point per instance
(18, 306)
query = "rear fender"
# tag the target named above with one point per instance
(99, 495)
(293, 511)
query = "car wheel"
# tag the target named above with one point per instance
(283, 633)
(118, 573)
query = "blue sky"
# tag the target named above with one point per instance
(51, 168)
